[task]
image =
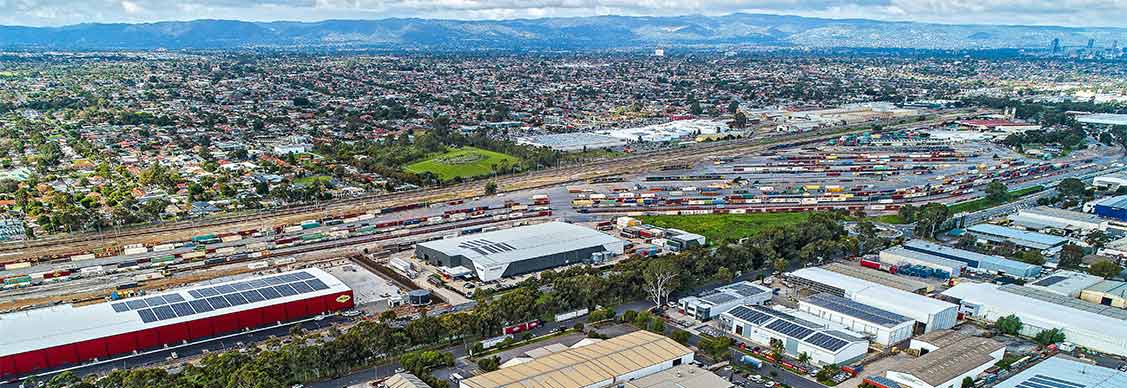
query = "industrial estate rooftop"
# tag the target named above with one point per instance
(791, 326)
(587, 365)
(955, 357)
(883, 278)
(65, 324)
(857, 310)
(1064, 372)
(516, 244)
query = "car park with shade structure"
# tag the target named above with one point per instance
(66, 335)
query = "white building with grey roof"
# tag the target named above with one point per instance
(885, 328)
(825, 342)
(515, 251)
(708, 305)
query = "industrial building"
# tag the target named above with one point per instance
(1108, 293)
(886, 328)
(930, 314)
(977, 261)
(1065, 372)
(1111, 207)
(681, 376)
(679, 240)
(902, 283)
(708, 305)
(947, 357)
(568, 142)
(798, 332)
(1029, 240)
(602, 364)
(1066, 283)
(526, 249)
(898, 256)
(1110, 181)
(66, 334)
(1082, 323)
(403, 380)
(1044, 217)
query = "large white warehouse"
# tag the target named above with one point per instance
(931, 314)
(798, 332)
(886, 327)
(1099, 330)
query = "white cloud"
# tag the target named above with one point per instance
(1045, 12)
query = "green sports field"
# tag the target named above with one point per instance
(466, 162)
(725, 227)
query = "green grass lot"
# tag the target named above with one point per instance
(466, 162)
(888, 219)
(313, 178)
(983, 203)
(720, 228)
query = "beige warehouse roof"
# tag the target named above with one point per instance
(405, 380)
(587, 365)
(958, 354)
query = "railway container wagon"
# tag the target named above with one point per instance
(204, 237)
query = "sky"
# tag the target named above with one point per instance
(1110, 13)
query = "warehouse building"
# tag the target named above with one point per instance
(1110, 181)
(403, 380)
(1108, 293)
(1044, 217)
(1066, 283)
(1083, 324)
(681, 376)
(886, 328)
(1046, 243)
(1112, 207)
(612, 362)
(977, 261)
(898, 256)
(902, 283)
(66, 335)
(526, 249)
(947, 358)
(1065, 372)
(568, 142)
(798, 332)
(929, 314)
(708, 305)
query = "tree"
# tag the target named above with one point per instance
(930, 218)
(490, 188)
(733, 107)
(1072, 187)
(1071, 255)
(717, 347)
(1105, 269)
(1031, 256)
(660, 280)
(1097, 239)
(489, 364)
(968, 382)
(739, 120)
(680, 336)
(803, 357)
(1049, 337)
(1009, 324)
(780, 265)
(827, 372)
(997, 192)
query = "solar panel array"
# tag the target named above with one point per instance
(486, 247)
(173, 305)
(719, 298)
(1051, 280)
(826, 341)
(746, 290)
(857, 310)
(1042, 381)
(755, 317)
(790, 329)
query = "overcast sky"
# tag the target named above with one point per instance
(1044, 12)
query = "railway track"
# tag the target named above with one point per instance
(48, 247)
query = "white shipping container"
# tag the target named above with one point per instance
(288, 260)
(365, 216)
(92, 270)
(135, 250)
(147, 276)
(163, 247)
(225, 250)
(258, 246)
(88, 256)
(291, 229)
(258, 265)
(571, 315)
(233, 237)
(20, 265)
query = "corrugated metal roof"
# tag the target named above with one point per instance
(681, 376)
(405, 380)
(587, 365)
(64, 324)
(857, 310)
(915, 306)
(1059, 368)
(936, 249)
(878, 277)
(520, 243)
(950, 361)
(901, 251)
(1018, 235)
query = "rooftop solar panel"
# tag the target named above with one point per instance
(147, 315)
(224, 289)
(270, 293)
(183, 309)
(164, 312)
(285, 290)
(195, 294)
(789, 329)
(858, 310)
(201, 306)
(236, 299)
(242, 286)
(208, 292)
(252, 296)
(301, 287)
(1051, 280)
(258, 283)
(217, 302)
(136, 304)
(173, 298)
(289, 277)
(304, 275)
(752, 316)
(120, 307)
(155, 300)
(316, 284)
(273, 280)
(827, 342)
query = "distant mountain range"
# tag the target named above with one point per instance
(598, 32)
